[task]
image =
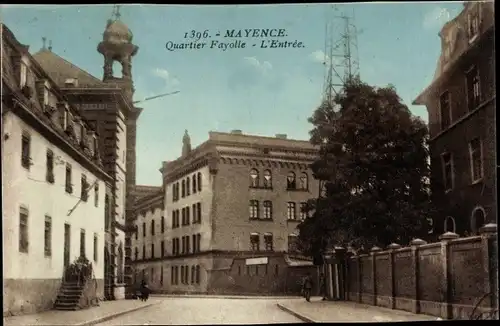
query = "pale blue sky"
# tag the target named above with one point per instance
(260, 91)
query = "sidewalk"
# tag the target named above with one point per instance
(105, 311)
(318, 311)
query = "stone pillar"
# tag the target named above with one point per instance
(347, 274)
(373, 252)
(415, 244)
(490, 263)
(392, 247)
(359, 278)
(108, 67)
(446, 311)
(129, 212)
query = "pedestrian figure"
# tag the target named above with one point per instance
(144, 291)
(322, 286)
(307, 287)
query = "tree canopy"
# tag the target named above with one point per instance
(373, 162)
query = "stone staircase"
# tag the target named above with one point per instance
(79, 287)
(69, 296)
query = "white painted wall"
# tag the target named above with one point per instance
(29, 188)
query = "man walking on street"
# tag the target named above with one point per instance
(307, 287)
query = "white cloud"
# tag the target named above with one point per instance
(170, 81)
(264, 67)
(437, 17)
(318, 56)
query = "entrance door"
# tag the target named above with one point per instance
(67, 243)
(108, 276)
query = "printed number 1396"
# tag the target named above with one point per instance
(196, 35)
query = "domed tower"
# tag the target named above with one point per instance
(117, 46)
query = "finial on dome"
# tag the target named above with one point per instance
(116, 12)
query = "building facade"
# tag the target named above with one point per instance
(233, 197)
(108, 105)
(149, 241)
(461, 104)
(54, 185)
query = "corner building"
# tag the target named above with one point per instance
(108, 105)
(54, 183)
(232, 210)
(461, 102)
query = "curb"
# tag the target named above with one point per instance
(115, 315)
(295, 314)
(222, 297)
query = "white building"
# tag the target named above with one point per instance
(53, 185)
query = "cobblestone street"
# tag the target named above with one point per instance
(189, 311)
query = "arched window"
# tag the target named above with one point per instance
(183, 189)
(254, 178)
(304, 181)
(449, 224)
(188, 186)
(478, 219)
(268, 179)
(290, 181)
(199, 181)
(194, 184)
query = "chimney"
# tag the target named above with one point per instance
(281, 136)
(237, 132)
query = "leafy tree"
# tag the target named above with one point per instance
(374, 165)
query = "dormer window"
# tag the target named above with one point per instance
(45, 96)
(94, 142)
(24, 74)
(66, 118)
(82, 132)
(71, 82)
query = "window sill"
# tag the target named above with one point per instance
(298, 190)
(261, 188)
(294, 220)
(473, 38)
(476, 182)
(261, 219)
(462, 119)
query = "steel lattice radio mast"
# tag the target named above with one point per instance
(341, 59)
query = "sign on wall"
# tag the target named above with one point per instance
(256, 261)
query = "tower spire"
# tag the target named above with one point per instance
(186, 143)
(44, 39)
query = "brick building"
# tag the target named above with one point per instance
(232, 206)
(461, 106)
(108, 106)
(54, 185)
